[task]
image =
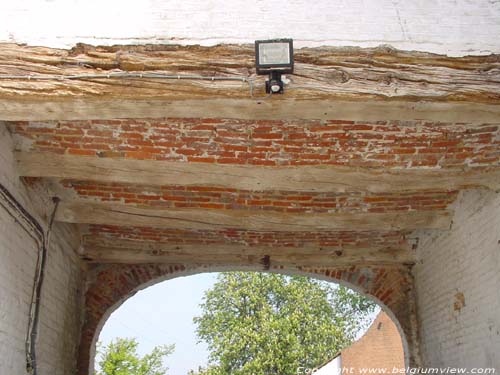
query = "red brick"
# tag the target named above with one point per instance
(81, 152)
(268, 143)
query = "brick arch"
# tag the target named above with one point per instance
(390, 287)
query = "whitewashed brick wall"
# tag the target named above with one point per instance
(60, 316)
(453, 27)
(458, 286)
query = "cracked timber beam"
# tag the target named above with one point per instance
(85, 212)
(296, 178)
(341, 83)
(100, 250)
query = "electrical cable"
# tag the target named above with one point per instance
(30, 77)
(28, 224)
(50, 77)
(31, 365)
(35, 230)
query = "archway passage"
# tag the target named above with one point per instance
(174, 311)
(391, 288)
(333, 180)
(156, 197)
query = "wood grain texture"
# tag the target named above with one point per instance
(99, 249)
(299, 178)
(274, 108)
(341, 83)
(325, 72)
(148, 252)
(121, 214)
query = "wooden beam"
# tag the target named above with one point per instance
(285, 108)
(104, 250)
(156, 247)
(121, 214)
(325, 72)
(299, 178)
(203, 256)
(338, 83)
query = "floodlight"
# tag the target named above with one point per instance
(274, 57)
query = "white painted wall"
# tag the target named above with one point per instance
(453, 27)
(60, 315)
(333, 367)
(464, 260)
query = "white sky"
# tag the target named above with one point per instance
(163, 314)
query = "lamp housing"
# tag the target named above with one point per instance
(274, 55)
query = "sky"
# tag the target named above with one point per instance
(163, 314)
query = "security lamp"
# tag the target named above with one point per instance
(274, 57)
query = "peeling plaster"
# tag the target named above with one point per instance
(456, 28)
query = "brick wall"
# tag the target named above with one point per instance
(60, 315)
(397, 144)
(379, 348)
(247, 237)
(458, 286)
(275, 200)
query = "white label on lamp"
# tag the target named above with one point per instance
(274, 53)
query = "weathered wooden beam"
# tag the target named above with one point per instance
(120, 214)
(99, 249)
(284, 108)
(341, 83)
(153, 252)
(324, 72)
(90, 241)
(299, 178)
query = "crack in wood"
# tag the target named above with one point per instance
(165, 217)
(358, 73)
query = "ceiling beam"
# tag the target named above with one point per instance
(84, 108)
(154, 252)
(87, 212)
(339, 83)
(325, 72)
(101, 249)
(298, 178)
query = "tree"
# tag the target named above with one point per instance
(120, 357)
(256, 323)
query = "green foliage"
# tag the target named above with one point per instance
(120, 357)
(259, 324)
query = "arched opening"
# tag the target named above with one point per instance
(375, 284)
